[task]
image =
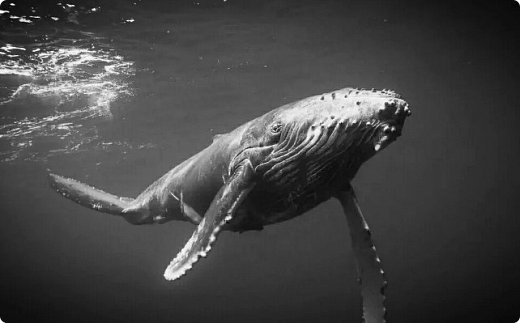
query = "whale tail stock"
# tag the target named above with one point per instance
(89, 196)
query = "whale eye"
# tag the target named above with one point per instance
(276, 128)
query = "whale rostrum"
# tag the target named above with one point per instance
(268, 170)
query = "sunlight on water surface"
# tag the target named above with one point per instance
(55, 92)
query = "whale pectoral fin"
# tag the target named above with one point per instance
(222, 209)
(369, 267)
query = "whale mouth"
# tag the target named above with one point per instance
(387, 133)
(392, 117)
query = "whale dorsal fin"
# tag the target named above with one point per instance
(222, 209)
(216, 137)
(369, 267)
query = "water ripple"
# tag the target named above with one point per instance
(53, 95)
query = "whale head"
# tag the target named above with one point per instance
(327, 135)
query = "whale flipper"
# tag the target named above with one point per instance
(89, 196)
(369, 268)
(222, 209)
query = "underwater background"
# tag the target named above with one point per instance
(116, 93)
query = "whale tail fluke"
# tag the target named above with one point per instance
(89, 196)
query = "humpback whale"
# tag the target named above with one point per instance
(268, 170)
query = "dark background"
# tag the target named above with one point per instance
(442, 201)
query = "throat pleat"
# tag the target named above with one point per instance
(292, 161)
(332, 139)
(288, 142)
(345, 144)
(281, 156)
(319, 143)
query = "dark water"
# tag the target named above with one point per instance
(115, 93)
